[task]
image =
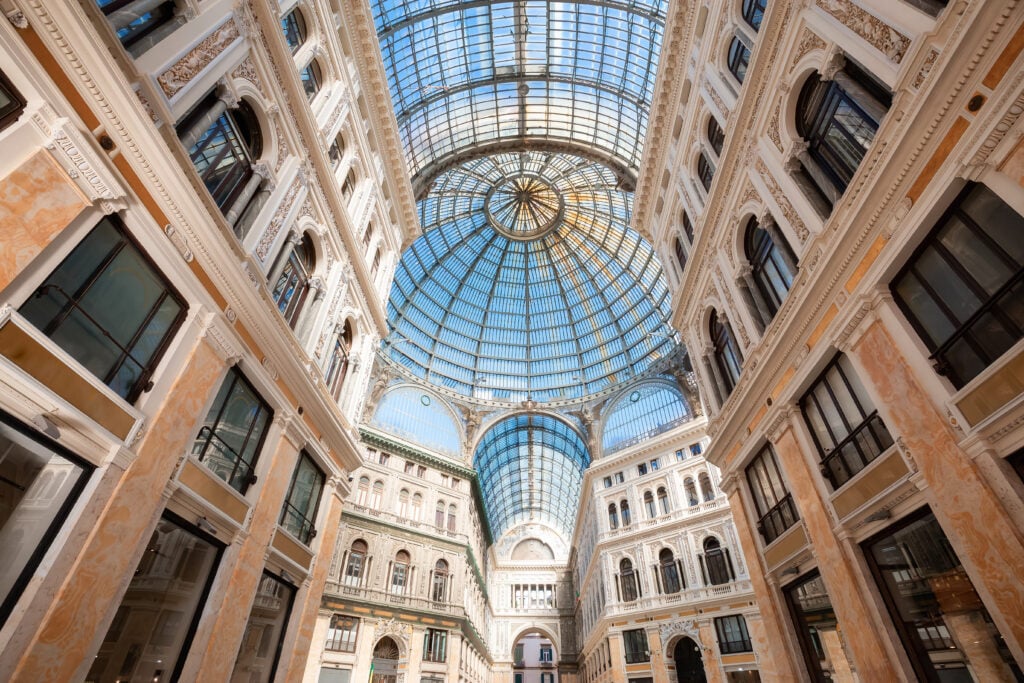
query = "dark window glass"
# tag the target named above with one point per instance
(1016, 461)
(355, 564)
(624, 509)
(293, 25)
(342, 632)
(627, 581)
(400, 572)
(635, 642)
(716, 136)
(732, 634)
(151, 633)
(671, 573)
(613, 516)
(691, 492)
(312, 79)
(230, 440)
(11, 102)
(688, 227)
(717, 562)
(652, 511)
(435, 642)
(336, 151)
(769, 270)
(844, 423)
(705, 171)
(133, 20)
(739, 59)
(38, 485)
(349, 186)
(727, 354)
(109, 307)
(299, 513)
(774, 504)
(439, 583)
(337, 367)
(292, 285)
(821, 639)
(223, 154)
(753, 12)
(663, 501)
(938, 613)
(264, 633)
(963, 289)
(680, 255)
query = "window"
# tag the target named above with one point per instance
(613, 516)
(356, 563)
(336, 152)
(222, 153)
(641, 469)
(439, 515)
(838, 119)
(363, 491)
(817, 627)
(691, 492)
(607, 482)
(134, 21)
(726, 354)
(706, 488)
(663, 500)
(410, 467)
(844, 423)
(619, 478)
(376, 494)
(655, 464)
(680, 254)
(518, 676)
(39, 483)
(439, 583)
(963, 287)
(451, 517)
(624, 509)
(547, 677)
(687, 227)
(299, 513)
(435, 643)
(456, 482)
(771, 274)
(696, 449)
(400, 573)
(109, 307)
(337, 366)
(671, 572)
(312, 79)
(375, 265)
(417, 507)
(917, 571)
(403, 503)
(716, 136)
(421, 471)
(264, 633)
(680, 455)
(627, 581)
(635, 642)
(732, 634)
(517, 657)
(232, 435)
(348, 187)
(753, 12)
(292, 286)
(342, 632)
(652, 511)
(705, 171)
(293, 25)
(739, 59)
(716, 563)
(161, 608)
(11, 102)
(546, 653)
(384, 458)
(772, 500)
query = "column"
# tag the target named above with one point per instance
(659, 661)
(769, 225)
(716, 376)
(293, 240)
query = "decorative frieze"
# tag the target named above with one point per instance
(263, 248)
(189, 66)
(873, 30)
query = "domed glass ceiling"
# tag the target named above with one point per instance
(528, 282)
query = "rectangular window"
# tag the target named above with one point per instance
(546, 677)
(817, 628)
(517, 655)
(108, 306)
(619, 478)
(939, 615)
(607, 482)
(963, 287)
(843, 421)
(152, 630)
(517, 677)
(299, 513)
(455, 483)
(775, 509)
(545, 653)
(264, 633)
(39, 483)
(435, 642)
(680, 455)
(341, 634)
(655, 464)
(732, 634)
(231, 438)
(696, 449)
(384, 458)
(641, 469)
(410, 467)
(635, 643)
(421, 471)
(11, 102)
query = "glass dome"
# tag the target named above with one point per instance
(528, 282)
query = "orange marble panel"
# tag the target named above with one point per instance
(822, 325)
(758, 416)
(37, 201)
(211, 489)
(885, 472)
(292, 549)
(937, 159)
(985, 537)
(786, 376)
(63, 647)
(1005, 60)
(865, 263)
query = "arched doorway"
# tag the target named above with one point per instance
(533, 655)
(689, 664)
(385, 661)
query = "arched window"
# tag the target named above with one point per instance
(627, 581)
(663, 500)
(680, 255)
(716, 136)
(705, 171)
(716, 563)
(403, 503)
(739, 59)
(439, 583)
(292, 284)
(363, 491)
(671, 572)
(770, 271)
(838, 119)
(688, 227)
(400, 573)
(337, 367)
(452, 517)
(349, 186)
(439, 515)
(356, 564)
(336, 152)
(377, 495)
(223, 144)
(312, 79)
(417, 507)
(727, 355)
(705, 486)
(293, 25)
(624, 509)
(652, 511)
(376, 263)
(753, 12)
(613, 516)
(691, 492)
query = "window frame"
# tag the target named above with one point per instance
(738, 59)
(631, 638)
(752, 12)
(10, 113)
(781, 500)
(727, 646)
(716, 136)
(307, 537)
(337, 643)
(435, 645)
(761, 252)
(294, 20)
(724, 347)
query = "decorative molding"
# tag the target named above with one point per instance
(808, 43)
(270, 234)
(926, 67)
(790, 214)
(17, 18)
(185, 69)
(178, 240)
(873, 30)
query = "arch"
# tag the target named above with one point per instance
(689, 661)
(403, 503)
(705, 171)
(691, 492)
(439, 581)
(670, 572)
(644, 410)
(539, 629)
(532, 549)
(613, 516)
(417, 507)
(420, 416)
(629, 589)
(312, 78)
(377, 494)
(357, 563)
(752, 12)
(363, 491)
(706, 487)
(716, 562)
(624, 511)
(663, 501)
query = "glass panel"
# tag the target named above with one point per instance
(821, 638)
(264, 632)
(150, 636)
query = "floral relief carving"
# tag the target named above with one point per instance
(873, 30)
(926, 67)
(186, 68)
(278, 220)
(773, 127)
(809, 42)
(780, 198)
(246, 71)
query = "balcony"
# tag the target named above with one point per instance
(380, 597)
(690, 595)
(392, 518)
(716, 503)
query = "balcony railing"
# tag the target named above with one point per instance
(716, 503)
(385, 598)
(689, 595)
(411, 523)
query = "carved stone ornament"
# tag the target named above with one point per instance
(873, 30)
(189, 66)
(681, 628)
(390, 627)
(267, 240)
(178, 240)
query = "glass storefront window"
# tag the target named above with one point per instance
(264, 633)
(821, 638)
(944, 626)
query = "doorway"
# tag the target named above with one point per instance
(689, 663)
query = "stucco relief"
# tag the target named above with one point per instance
(873, 30)
(263, 248)
(780, 198)
(246, 71)
(186, 68)
(809, 42)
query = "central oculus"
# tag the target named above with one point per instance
(524, 207)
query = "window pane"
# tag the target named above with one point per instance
(821, 639)
(264, 632)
